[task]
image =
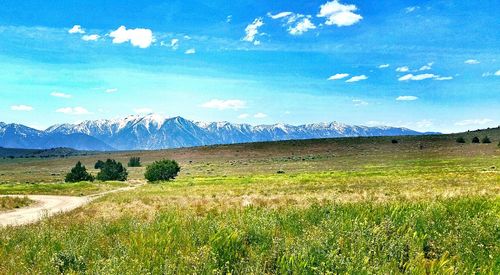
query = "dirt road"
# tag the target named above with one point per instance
(46, 206)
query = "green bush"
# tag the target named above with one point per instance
(460, 140)
(162, 170)
(486, 139)
(78, 173)
(134, 162)
(99, 164)
(112, 170)
(475, 140)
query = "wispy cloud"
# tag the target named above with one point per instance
(59, 94)
(469, 122)
(21, 108)
(441, 78)
(76, 29)
(260, 115)
(417, 77)
(338, 76)
(234, 104)
(91, 37)
(73, 111)
(190, 51)
(402, 69)
(356, 78)
(111, 90)
(252, 30)
(406, 98)
(142, 38)
(339, 14)
(472, 61)
(359, 102)
(426, 67)
(411, 9)
(243, 116)
(383, 66)
(280, 15)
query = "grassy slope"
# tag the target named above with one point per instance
(426, 204)
(9, 203)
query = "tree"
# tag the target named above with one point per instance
(486, 139)
(78, 173)
(134, 162)
(460, 140)
(163, 170)
(99, 164)
(112, 170)
(475, 140)
(394, 141)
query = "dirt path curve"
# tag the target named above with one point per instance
(46, 206)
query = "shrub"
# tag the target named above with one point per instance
(486, 139)
(162, 170)
(99, 164)
(475, 140)
(394, 141)
(134, 162)
(112, 170)
(460, 140)
(78, 173)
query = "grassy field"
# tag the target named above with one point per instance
(361, 205)
(9, 203)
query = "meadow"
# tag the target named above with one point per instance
(359, 205)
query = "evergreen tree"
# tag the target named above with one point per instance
(112, 170)
(163, 170)
(134, 162)
(78, 173)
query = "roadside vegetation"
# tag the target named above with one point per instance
(9, 203)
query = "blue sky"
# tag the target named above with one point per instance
(425, 65)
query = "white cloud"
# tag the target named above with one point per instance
(402, 69)
(338, 76)
(471, 61)
(112, 90)
(280, 15)
(441, 78)
(21, 108)
(356, 78)
(90, 37)
(143, 110)
(62, 95)
(229, 18)
(359, 102)
(406, 98)
(339, 14)
(73, 111)
(190, 51)
(174, 43)
(426, 67)
(234, 104)
(303, 26)
(468, 122)
(417, 77)
(252, 30)
(142, 38)
(411, 9)
(383, 66)
(77, 29)
(243, 116)
(497, 73)
(260, 115)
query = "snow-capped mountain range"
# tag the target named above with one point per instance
(155, 132)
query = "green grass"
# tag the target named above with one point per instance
(352, 206)
(9, 203)
(70, 189)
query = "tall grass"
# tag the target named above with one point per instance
(443, 236)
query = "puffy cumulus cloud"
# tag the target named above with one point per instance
(280, 15)
(90, 37)
(417, 77)
(21, 108)
(76, 29)
(383, 66)
(406, 98)
(402, 69)
(73, 111)
(339, 14)
(356, 78)
(338, 76)
(190, 51)
(252, 30)
(469, 122)
(301, 27)
(233, 104)
(260, 115)
(471, 61)
(142, 38)
(59, 94)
